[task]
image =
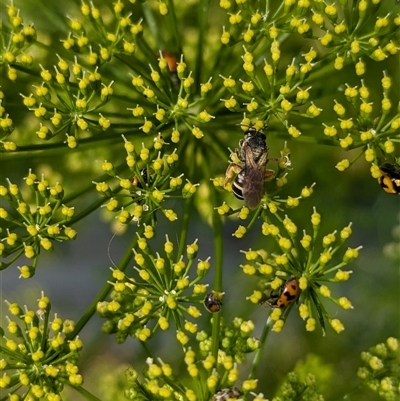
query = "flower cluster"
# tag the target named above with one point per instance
(348, 34)
(38, 356)
(221, 372)
(295, 389)
(381, 369)
(28, 227)
(297, 269)
(163, 290)
(68, 103)
(165, 90)
(281, 92)
(17, 37)
(361, 126)
(149, 185)
(177, 106)
(266, 94)
(6, 126)
(97, 42)
(272, 91)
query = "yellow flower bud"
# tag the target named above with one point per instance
(310, 325)
(278, 325)
(337, 325)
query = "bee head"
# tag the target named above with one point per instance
(256, 140)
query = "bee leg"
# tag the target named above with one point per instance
(281, 160)
(232, 170)
(269, 175)
(239, 152)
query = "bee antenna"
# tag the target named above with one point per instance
(109, 247)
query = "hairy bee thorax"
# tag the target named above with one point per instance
(256, 140)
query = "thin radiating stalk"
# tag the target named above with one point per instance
(218, 260)
(203, 13)
(259, 352)
(85, 393)
(185, 227)
(104, 291)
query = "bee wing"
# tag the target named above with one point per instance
(253, 187)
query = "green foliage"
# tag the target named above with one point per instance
(323, 373)
(157, 113)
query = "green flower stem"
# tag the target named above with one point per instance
(104, 291)
(46, 327)
(203, 14)
(136, 68)
(218, 255)
(84, 393)
(306, 138)
(90, 187)
(321, 311)
(214, 103)
(216, 145)
(23, 152)
(15, 389)
(177, 316)
(309, 259)
(55, 207)
(153, 25)
(217, 275)
(321, 266)
(255, 217)
(4, 265)
(94, 206)
(387, 126)
(346, 397)
(218, 246)
(11, 354)
(67, 103)
(277, 12)
(176, 385)
(156, 280)
(337, 267)
(26, 70)
(173, 26)
(261, 87)
(147, 349)
(357, 156)
(185, 227)
(323, 68)
(259, 352)
(64, 358)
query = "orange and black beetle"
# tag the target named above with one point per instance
(289, 293)
(212, 302)
(390, 178)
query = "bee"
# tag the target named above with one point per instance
(289, 293)
(212, 302)
(249, 182)
(145, 180)
(227, 394)
(390, 178)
